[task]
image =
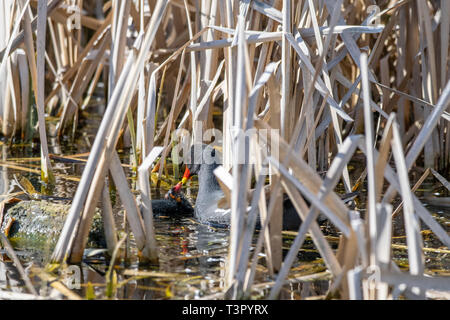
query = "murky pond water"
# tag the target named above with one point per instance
(192, 256)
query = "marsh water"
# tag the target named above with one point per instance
(192, 256)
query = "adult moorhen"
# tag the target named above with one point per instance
(202, 162)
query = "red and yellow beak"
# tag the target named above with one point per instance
(186, 177)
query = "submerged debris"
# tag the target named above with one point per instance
(37, 224)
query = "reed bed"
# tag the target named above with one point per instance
(329, 80)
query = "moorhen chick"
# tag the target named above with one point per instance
(174, 205)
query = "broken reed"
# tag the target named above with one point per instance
(334, 77)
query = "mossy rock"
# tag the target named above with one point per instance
(38, 224)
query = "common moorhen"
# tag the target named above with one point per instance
(202, 162)
(174, 205)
